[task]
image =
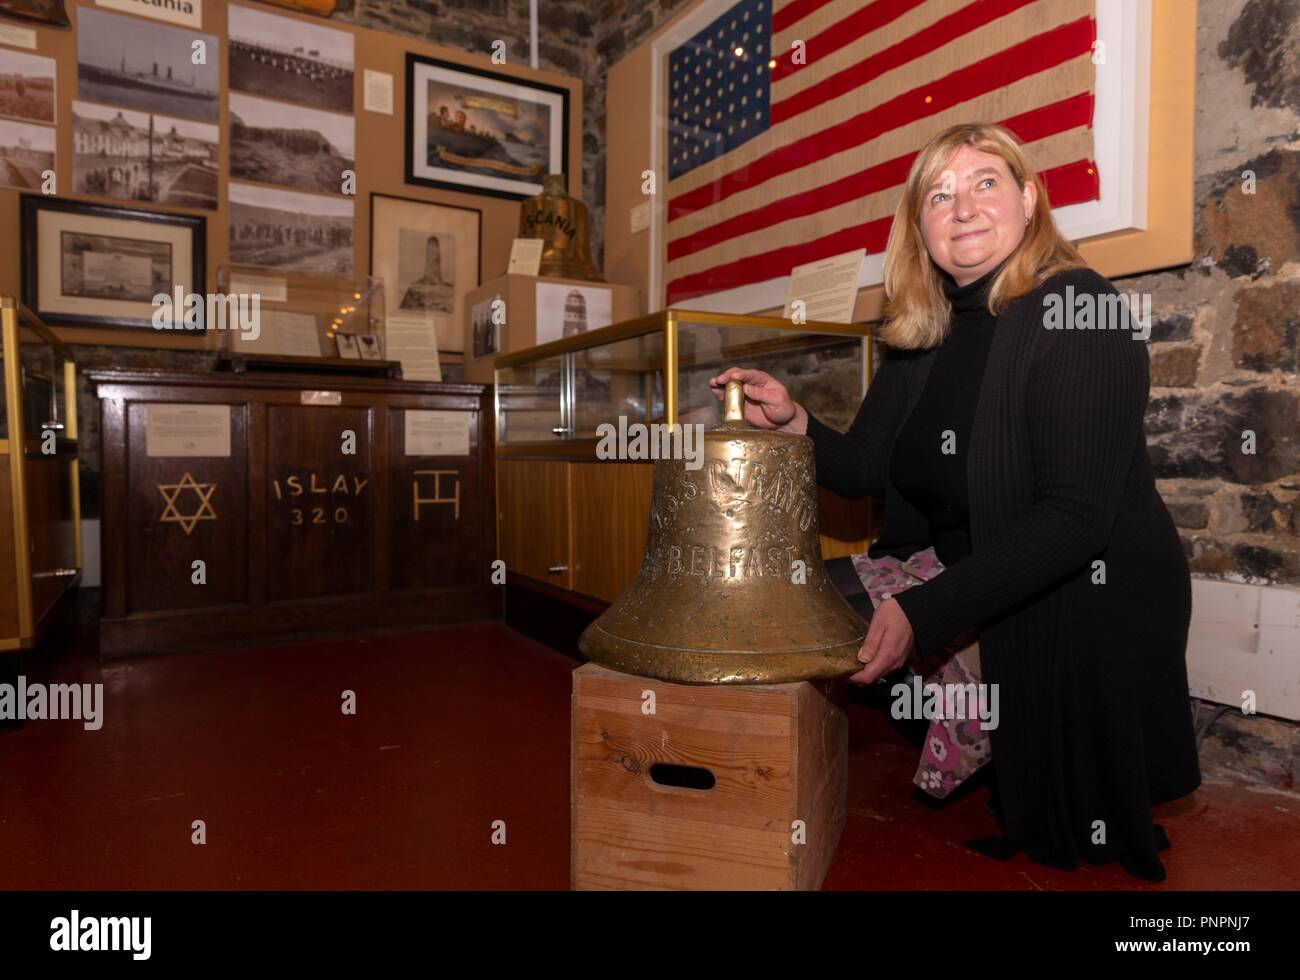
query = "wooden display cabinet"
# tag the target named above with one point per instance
(40, 510)
(579, 524)
(311, 512)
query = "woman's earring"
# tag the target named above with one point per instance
(1026, 221)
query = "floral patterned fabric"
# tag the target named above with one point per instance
(954, 747)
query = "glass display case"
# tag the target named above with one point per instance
(299, 316)
(656, 368)
(39, 476)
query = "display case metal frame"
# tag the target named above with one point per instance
(19, 448)
(667, 322)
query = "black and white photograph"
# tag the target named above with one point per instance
(126, 61)
(184, 156)
(101, 265)
(290, 59)
(109, 267)
(137, 156)
(27, 86)
(26, 153)
(290, 230)
(426, 272)
(370, 348)
(275, 143)
(565, 310)
(472, 129)
(428, 256)
(485, 336)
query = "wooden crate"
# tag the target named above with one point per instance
(776, 753)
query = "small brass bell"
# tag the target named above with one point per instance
(732, 589)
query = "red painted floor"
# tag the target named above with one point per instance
(455, 729)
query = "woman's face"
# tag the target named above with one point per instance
(973, 215)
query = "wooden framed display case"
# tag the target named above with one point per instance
(40, 512)
(572, 521)
(254, 508)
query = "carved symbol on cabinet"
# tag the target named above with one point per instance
(437, 498)
(203, 494)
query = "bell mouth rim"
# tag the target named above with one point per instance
(696, 651)
(682, 666)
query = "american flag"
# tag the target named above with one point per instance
(792, 123)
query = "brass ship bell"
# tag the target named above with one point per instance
(560, 221)
(732, 589)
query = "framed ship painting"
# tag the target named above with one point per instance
(482, 132)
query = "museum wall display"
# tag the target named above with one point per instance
(282, 159)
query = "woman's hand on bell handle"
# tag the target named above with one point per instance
(768, 404)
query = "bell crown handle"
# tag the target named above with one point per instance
(734, 401)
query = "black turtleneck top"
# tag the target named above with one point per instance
(928, 464)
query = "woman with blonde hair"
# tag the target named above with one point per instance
(1004, 428)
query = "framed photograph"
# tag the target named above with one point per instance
(49, 12)
(290, 230)
(26, 152)
(429, 258)
(101, 266)
(131, 62)
(275, 143)
(368, 344)
(294, 60)
(26, 86)
(469, 129)
(136, 156)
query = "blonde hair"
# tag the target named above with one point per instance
(917, 312)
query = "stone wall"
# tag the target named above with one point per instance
(1224, 351)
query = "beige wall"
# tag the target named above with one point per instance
(1167, 242)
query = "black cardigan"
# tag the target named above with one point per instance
(1095, 717)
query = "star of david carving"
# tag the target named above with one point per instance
(202, 492)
